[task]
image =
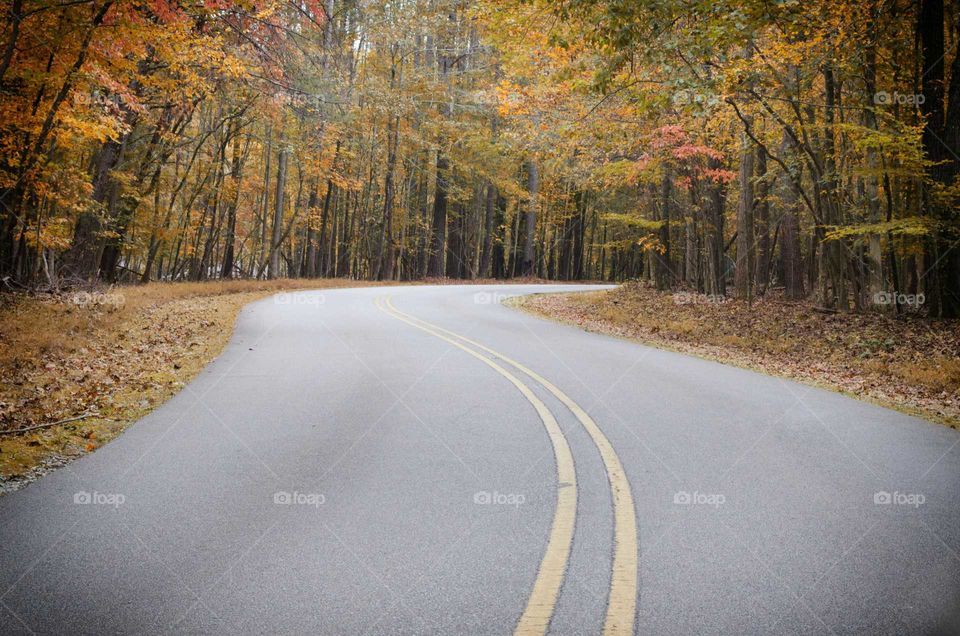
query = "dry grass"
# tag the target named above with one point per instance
(911, 364)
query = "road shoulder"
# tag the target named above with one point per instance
(899, 364)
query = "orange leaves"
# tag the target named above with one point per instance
(512, 99)
(166, 11)
(693, 151)
(668, 136)
(720, 175)
(55, 234)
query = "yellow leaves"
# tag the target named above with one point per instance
(909, 227)
(86, 126)
(268, 9)
(512, 99)
(346, 183)
(54, 234)
(233, 67)
(633, 221)
(614, 172)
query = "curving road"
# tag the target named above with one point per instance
(424, 460)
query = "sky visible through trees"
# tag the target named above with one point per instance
(733, 148)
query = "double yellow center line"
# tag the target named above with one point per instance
(621, 605)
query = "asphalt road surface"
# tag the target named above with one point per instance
(413, 460)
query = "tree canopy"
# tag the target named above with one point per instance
(735, 147)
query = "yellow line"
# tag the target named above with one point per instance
(543, 599)
(622, 605)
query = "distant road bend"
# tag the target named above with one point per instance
(426, 460)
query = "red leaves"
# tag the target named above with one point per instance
(168, 12)
(669, 136)
(720, 175)
(694, 151)
(694, 158)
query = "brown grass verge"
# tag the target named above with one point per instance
(911, 364)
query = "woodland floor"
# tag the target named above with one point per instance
(911, 364)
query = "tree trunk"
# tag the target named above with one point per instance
(715, 276)
(231, 235)
(790, 253)
(832, 287)
(386, 254)
(661, 259)
(691, 251)
(274, 270)
(455, 266)
(310, 259)
(743, 275)
(499, 251)
(265, 208)
(762, 223)
(438, 237)
(486, 253)
(533, 191)
(941, 141)
(83, 260)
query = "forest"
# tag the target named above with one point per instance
(731, 149)
(480, 317)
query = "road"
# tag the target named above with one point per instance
(427, 460)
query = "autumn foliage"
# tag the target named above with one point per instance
(739, 147)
